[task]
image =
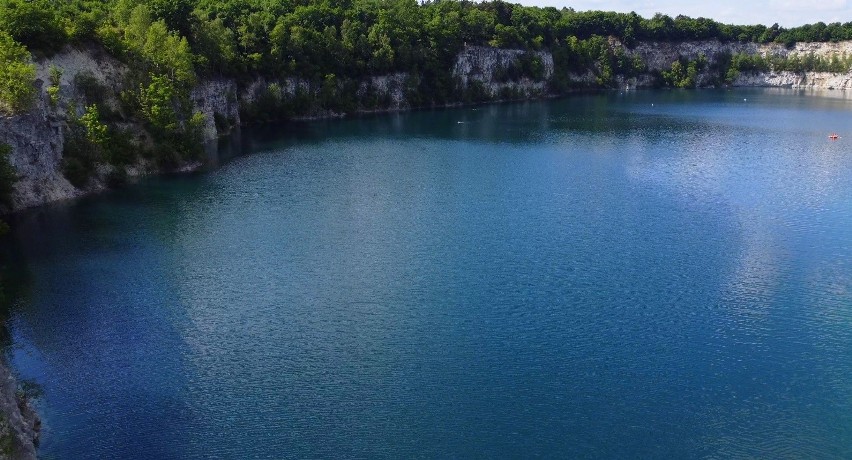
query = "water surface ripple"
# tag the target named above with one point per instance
(652, 274)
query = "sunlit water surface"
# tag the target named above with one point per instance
(651, 274)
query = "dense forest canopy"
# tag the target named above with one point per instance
(332, 45)
(344, 37)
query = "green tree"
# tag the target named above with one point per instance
(96, 131)
(169, 54)
(33, 23)
(17, 74)
(157, 103)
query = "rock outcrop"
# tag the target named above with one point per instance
(217, 100)
(37, 137)
(805, 80)
(19, 425)
(483, 66)
(388, 88)
(36, 140)
(659, 56)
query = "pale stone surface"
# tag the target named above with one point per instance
(481, 63)
(216, 96)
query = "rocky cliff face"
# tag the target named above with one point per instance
(19, 425)
(805, 80)
(217, 100)
(36, 140)
(659, 56)
(483, 66)
(37, 137)
(390, 88)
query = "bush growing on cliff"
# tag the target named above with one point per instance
(684, 72)
(16, 76)
(81, 153)
(8, 176)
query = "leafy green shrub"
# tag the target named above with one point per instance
(158, 104)
(119, 149)
(17, 74)
(55, 75)
(53, 95)
(84, 148)
(34, 23)
(96, 132)
(684, 73)
(53, 89)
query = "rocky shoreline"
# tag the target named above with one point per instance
(19, 423)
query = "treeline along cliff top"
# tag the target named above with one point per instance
(314, 57)
(181, 39)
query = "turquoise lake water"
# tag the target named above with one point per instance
(640, 275)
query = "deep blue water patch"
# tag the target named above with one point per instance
(651, 274)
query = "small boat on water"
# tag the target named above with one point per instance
(833, 136)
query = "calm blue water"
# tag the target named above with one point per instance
(656, 274)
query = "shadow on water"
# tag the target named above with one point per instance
(15, 282)
(524, 122)
(608, 261)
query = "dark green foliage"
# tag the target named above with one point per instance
(8, 176)
(34, 23)
(177, 14)
(683, 72)
(89, 88)
(89, 142)
(80, 157)
(747, 63)
(527, 65)
(119, 150)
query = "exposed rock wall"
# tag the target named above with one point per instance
(389, 87)
(19, 425)
(808, 80)
(480, 64)
(217, 100)
(36, 140)
(659, 56)
(37, 137)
